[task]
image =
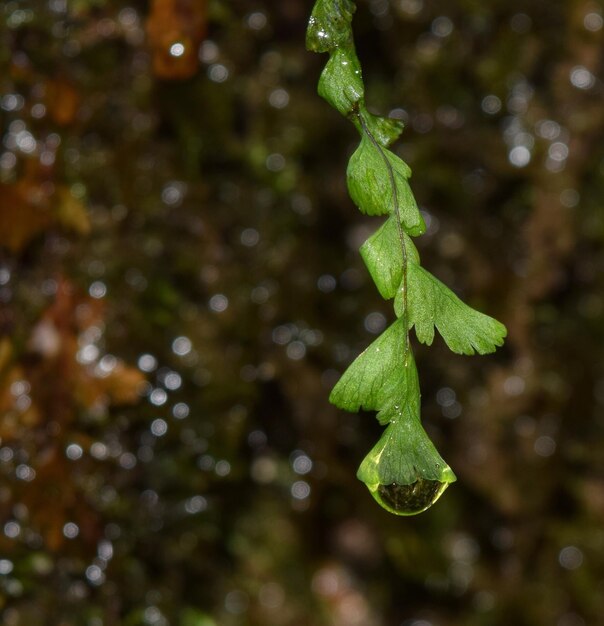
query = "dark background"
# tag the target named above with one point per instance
(180, 287)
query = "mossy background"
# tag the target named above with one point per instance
(180, 287)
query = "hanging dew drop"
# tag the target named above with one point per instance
(409, 499)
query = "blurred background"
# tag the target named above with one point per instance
(180, 287)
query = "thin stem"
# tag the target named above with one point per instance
(401, 234)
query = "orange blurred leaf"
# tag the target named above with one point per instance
(175, 28)
(31, 205)
(62, 101)
(24, 213)
(124, 384)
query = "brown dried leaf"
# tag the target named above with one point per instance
(173, 22)
(71, 213)
(123, 385)
(62, 101)
(24, 213)
(33, 204)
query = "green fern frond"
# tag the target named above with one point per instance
(404, 472)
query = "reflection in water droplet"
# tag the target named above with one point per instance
(409, 499)
(177, 49)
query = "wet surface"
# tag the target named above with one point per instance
(410, 499)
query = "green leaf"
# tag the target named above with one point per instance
(329, 25)
(404, 472)
(378, 378)
(341, 82)
(385, 130)
(383, 256)
(369, 185)
(431, 304)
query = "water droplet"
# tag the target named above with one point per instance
(177, 49)
(409, 499)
